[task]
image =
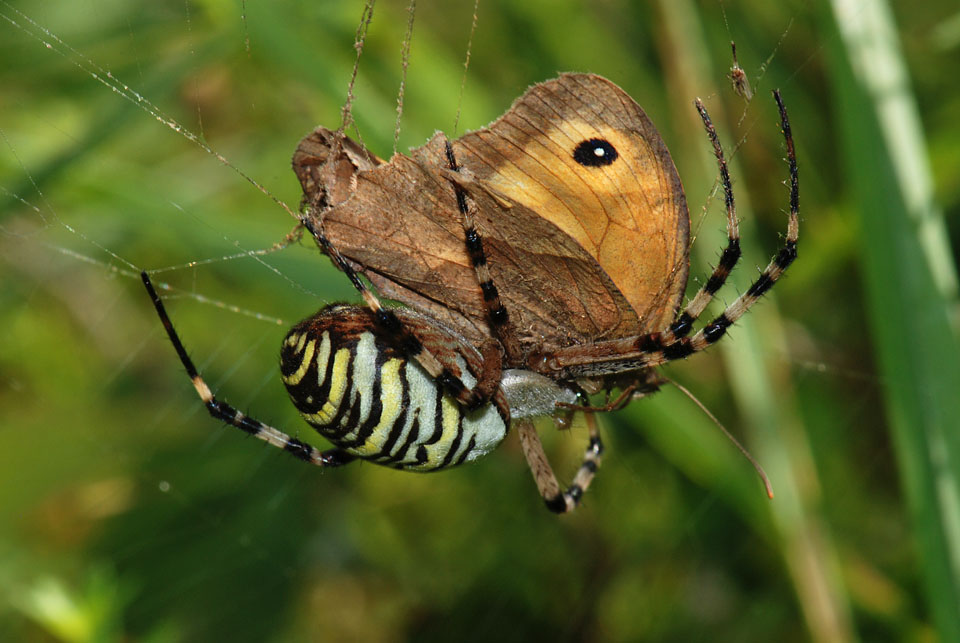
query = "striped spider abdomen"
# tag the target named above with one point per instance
(350, 382)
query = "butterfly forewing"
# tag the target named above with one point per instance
(582, 216)
(581, 153)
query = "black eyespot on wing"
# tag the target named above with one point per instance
(595, 152)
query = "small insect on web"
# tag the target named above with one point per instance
(738, 77)
(496, 330)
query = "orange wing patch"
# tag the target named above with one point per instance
(627, 210)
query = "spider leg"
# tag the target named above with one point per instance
(407, 341)
(631, 353)
(778, 264)
(488, 379)
(230, 414)
(557, 500)
(497, 314)
(731, 254)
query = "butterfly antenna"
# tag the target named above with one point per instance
(736, 443)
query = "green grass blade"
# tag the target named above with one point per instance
(910, 282)
(762, 384)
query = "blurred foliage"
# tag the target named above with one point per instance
(126, 513)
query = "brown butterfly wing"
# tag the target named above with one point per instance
(401, 225)
(329, 177)
(328, 166)
(558, 236)
(630, 215)
(389, 228)
(554, 291)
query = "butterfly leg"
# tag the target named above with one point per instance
(405, 340)
(557, 500)
(637, 386)
(230, 414)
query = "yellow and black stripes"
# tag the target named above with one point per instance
(350, 383)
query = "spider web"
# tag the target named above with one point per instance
(159, 137)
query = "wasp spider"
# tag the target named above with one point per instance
(398, 387)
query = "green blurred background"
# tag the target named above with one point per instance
(126, 513)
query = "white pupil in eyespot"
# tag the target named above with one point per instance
(599, 151)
